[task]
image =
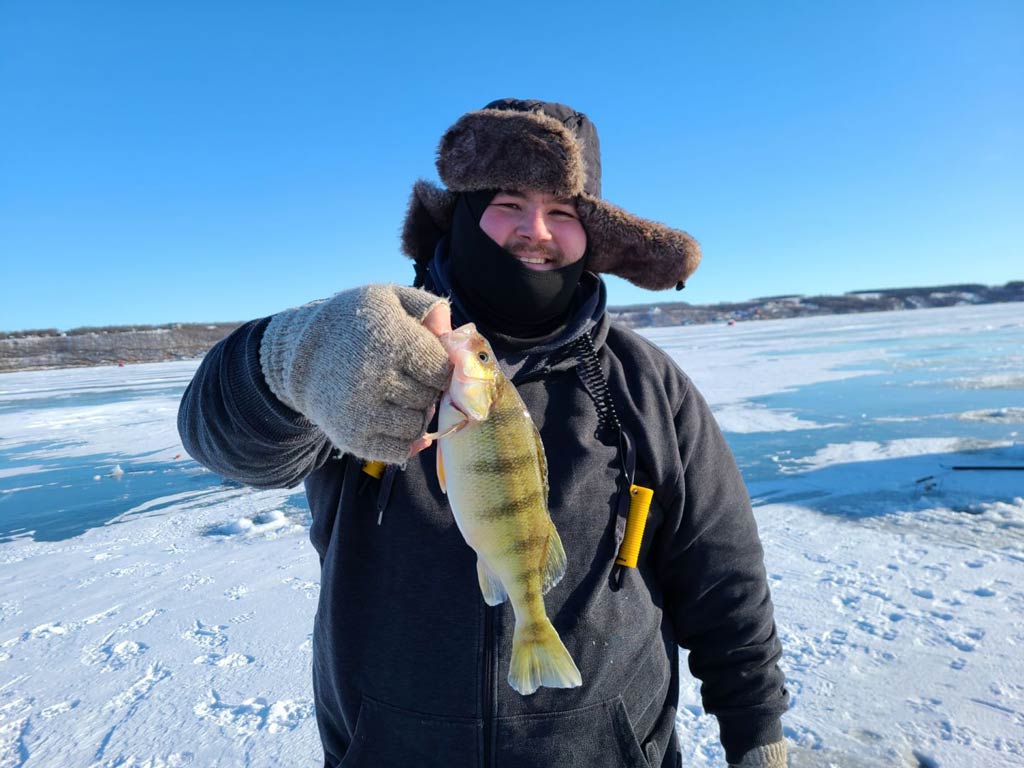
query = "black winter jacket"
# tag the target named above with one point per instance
(409, 664)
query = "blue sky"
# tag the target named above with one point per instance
(195, 161)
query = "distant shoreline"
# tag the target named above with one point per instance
(42, 349)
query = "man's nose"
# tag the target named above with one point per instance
(533, 226)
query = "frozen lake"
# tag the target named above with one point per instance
(153, 614)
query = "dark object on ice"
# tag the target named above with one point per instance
(967, 467)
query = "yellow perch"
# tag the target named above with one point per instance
(490, 462)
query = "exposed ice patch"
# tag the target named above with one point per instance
(868, 450)
(995, 416)
(26, 470)
(745, 418)
(991, 381)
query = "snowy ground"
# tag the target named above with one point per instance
(153, 615)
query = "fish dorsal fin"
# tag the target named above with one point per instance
(554, 565)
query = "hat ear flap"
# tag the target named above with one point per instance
(646, 253)
(427, 219)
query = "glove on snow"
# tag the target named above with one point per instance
(360, 366)
(769, 756)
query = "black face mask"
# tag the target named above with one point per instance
(496, 288)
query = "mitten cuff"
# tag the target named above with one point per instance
(767, 756)
(281, 341)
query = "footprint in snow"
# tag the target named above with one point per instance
(195, 580)
(140, 689)
(256, 714)
(219, 660)
(45, 631)
(236, 593)
(59, 709)
(142, 620)
(113, 655)
(967, 640)
(309, 588)
(209, 636)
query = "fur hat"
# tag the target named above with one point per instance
(514, 144)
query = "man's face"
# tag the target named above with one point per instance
(541, 230)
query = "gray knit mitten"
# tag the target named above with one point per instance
(769, 756)
(360, 366)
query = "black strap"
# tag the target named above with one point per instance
(588, 368)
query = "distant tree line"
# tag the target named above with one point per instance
(100, 329)
(113, 344)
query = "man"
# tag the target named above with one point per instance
(408, 661)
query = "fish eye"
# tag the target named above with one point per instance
(483, 357)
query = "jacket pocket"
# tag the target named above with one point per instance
(390, 736)
(598, 736)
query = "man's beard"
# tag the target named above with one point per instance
(551, 252)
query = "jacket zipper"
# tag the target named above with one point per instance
(488, 683)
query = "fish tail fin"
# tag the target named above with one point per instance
(539, 658)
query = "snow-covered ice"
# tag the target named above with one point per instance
(159, 616)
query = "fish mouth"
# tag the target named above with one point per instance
(450, 340)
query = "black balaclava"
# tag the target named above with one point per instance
(499, 291)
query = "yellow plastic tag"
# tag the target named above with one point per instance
(374, 468)
(639, 507)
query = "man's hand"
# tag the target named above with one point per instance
(365, 366)
(438, 321)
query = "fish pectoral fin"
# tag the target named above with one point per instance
(555, 563)
(440, 470)
(450, 431)
(490, 585)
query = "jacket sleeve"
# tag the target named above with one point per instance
(232, 424)
(716, 591)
